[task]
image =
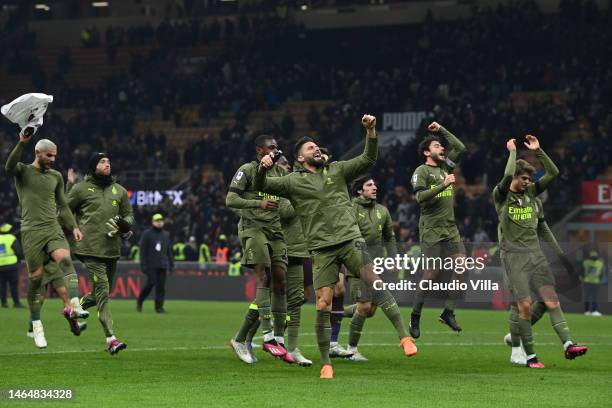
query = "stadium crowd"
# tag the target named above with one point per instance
(464, 73)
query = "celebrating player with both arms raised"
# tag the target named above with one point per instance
(526, 267)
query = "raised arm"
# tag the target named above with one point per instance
(13, 166)
(551, 171)
(503, 186)
(272, 185)
(355, 167)
(455, 146)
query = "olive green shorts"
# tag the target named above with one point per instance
(257, 249)
(443, 249)
(326, 262)
(38, 245)
(526, 271)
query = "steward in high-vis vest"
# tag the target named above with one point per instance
(234, 267)
(178, 250)
(104, 214)
(135, 253)
(593, 275)
(204, 254)
(10, 253)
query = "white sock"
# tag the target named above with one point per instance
(352, 349)
(333, 343)
(517, 350)
(74, 302)
(111, 338)
(279, 339)
(567, 344)
(269, 336)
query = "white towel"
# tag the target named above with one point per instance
(27, 110)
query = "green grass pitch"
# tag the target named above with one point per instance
(183, 359)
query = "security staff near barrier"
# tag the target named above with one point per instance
(10, 253)
(156, 259)
(594, 274)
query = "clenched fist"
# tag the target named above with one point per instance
(368, 121)
(434, 127)
(449, 179)
(511, 145)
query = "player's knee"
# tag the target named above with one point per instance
(552, 304)
(365, 309)
(323, 303)
(524, 307)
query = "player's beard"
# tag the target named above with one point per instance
(318, 163)
(436, 157)
(46, 164)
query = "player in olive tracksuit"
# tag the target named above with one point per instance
(433, 186)
(104, 213)
(297, 252)
(319, 194)
(539, 308)
(376, 228)
(526, 267)
(263, 246)
(44, 211)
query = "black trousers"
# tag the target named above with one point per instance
(9, 277)
(155, 278)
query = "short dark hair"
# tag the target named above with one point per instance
(300, 142)
(261, 140)
(424, 145)
(523, 166)
(359, 182)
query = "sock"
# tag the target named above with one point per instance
(557, 320)
(450, 303)
(355, 328)
(293, 326)
(336, 318)
(279, 312)
(249, 320)
(111, 338)
(517, 350)
(537, 311)
(526, 336)
(349, 310)
(34, 297)
(419, 301)
(385, 300)
(71, 278)
(323, 331)
(262, 299)
(352, 349)
(515, 328)
(253, 331)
